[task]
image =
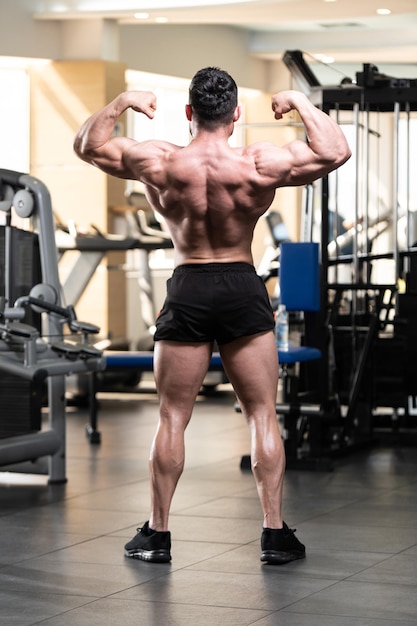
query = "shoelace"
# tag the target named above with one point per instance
(290, 531)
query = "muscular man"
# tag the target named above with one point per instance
(211, 196)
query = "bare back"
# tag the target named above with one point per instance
(210, 202)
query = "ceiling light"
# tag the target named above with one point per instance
(161, 20)
(383, 11)
(141, 16)
(175, 4)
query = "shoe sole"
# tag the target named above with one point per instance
(152, 556)
(280, 558)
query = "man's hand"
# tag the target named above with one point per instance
(284, 102)
(142, 102)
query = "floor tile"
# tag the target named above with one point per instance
(400, 569)
(262, 591)
(131, 613)
(24, 609)
(363, 600)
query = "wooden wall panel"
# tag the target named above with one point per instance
(63, 95)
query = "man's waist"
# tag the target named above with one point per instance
(215, 267)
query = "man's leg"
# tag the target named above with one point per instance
(251, 364)
(179, 370)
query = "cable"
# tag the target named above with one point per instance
(329, 66)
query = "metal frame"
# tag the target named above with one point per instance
(46, 364)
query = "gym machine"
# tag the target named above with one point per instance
(365, 329)
(35, 356)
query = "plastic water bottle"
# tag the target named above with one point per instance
(281, 328)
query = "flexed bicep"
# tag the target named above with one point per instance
(97, 142)
(291, 165)
(301, 162)
(110, 157)
(305, 164)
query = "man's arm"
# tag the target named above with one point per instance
(302, 162)
(94, 142)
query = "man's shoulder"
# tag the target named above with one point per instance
(151, 150)
(259, 147)
(159, 145)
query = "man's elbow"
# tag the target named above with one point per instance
(343, 153)
(80, 149)
(338, 157)
(77, 147)
(347, 154)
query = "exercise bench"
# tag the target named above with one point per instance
(122, 360)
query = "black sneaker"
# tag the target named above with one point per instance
(280, 546)
(150, 545)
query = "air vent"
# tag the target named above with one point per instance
(342, 25)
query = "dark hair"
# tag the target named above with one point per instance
(213, 97)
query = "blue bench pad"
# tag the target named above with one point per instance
(144, 360)
(298, 354)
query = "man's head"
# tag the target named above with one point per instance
(213, 98)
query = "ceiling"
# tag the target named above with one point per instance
(347, 30)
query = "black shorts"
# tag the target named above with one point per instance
(214, 302)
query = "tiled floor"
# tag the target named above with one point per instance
(61, 547)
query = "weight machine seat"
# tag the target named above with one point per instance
(298, 354)
(299, 277)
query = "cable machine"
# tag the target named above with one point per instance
(369, 294)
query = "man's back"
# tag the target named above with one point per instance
(210, 199)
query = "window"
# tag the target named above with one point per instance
(14, 117)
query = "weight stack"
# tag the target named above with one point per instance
(23, 268)
(20, 406)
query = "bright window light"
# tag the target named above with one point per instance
(14, 117)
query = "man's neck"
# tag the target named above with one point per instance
(221, 133)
